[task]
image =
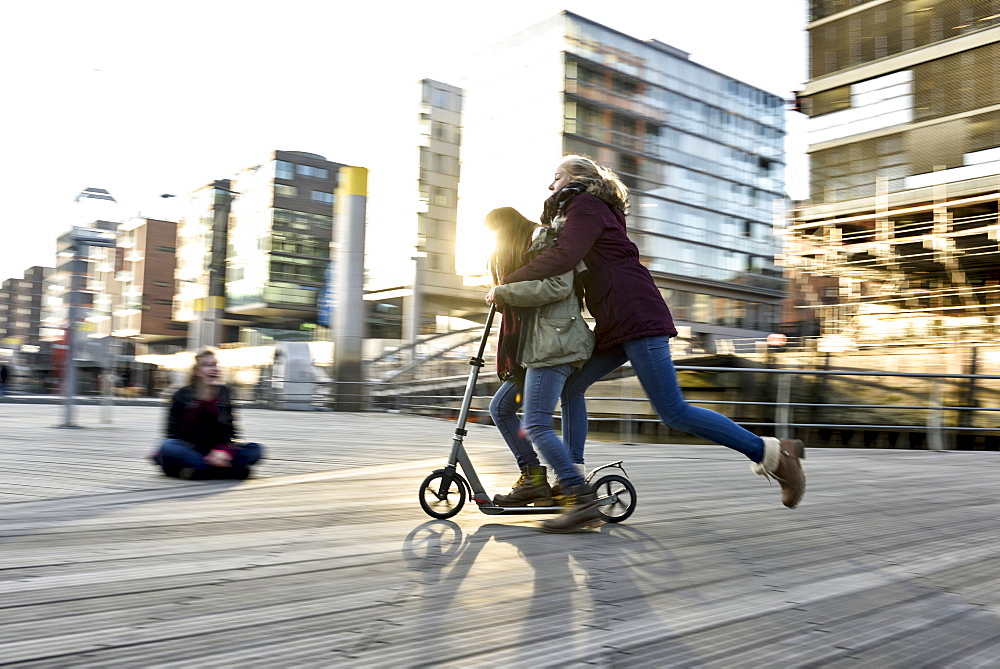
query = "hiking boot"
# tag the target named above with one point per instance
(558, 494)
(531, 488)
(580, 514)
(781, 463)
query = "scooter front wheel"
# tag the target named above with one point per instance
(615, 497)
(442, 494)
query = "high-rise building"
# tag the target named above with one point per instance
(144, 287)
(21, 307)
(904, 145)
(95, 268)
(87, 263)
(21, 319)
(438, 291)
(701, 152)
(202, 243)
(253, 252)
(280, 238)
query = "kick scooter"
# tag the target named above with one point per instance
(444, 491)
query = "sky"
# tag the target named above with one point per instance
(153, 97)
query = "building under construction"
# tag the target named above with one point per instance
(898, 242)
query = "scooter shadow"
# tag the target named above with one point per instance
(595, 581)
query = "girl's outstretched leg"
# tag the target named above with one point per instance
(775, 459)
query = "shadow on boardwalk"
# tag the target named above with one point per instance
(893, 559)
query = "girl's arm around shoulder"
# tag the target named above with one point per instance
(536, 293)
(585, 221)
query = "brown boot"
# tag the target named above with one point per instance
(531, 488)
(781, 463)
(558, 494)
(580, 514)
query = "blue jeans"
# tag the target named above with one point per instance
(542, 387)
(176, 454)
(503, 410)
(653, 365)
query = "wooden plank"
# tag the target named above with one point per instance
(326, 558)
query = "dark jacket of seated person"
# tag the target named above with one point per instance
(205, 424)
(201, 429)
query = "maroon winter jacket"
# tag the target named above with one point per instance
(620, 292)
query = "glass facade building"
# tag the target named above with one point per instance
(280, 235)
(904, 145)
(254, 251)
(701, 152)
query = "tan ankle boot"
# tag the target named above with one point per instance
(781, 463)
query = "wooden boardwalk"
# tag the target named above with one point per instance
(325, 559)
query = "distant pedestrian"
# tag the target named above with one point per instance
(201, 429)
(4, 377)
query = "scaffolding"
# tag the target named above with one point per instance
(913, 267)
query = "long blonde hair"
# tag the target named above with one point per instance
(597, 179)
(513, 236)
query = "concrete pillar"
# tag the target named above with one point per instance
(412, 307)
(349, 306)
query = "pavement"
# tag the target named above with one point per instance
(325, 557)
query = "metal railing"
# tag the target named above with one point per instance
(775, 403)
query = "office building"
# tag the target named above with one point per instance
(439, 292)
(701, 152)
(253, 251)
(21, 307)
(143, 295)
(95, 272)
(904, 144)
(280, 239)
(202, 239)
(21, 320)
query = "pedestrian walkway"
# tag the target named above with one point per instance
(326, 559)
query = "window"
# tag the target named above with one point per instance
(441, 196)
(164, 302)
(321, 196)
(280, 190)
(832, 100)
(161, 284)
(166, 249)
(444, 99)
(284, 170)
(312, 172)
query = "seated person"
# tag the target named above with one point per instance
(201, 430)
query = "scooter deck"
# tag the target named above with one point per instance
(493, 510)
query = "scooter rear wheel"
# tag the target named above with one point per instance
(442, 495)
(615, 497)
